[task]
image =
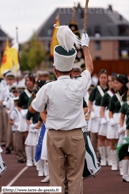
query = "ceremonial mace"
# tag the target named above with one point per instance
(85, 19)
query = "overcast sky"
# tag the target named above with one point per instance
(28, 15)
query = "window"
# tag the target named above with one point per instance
(123, 30)
(97, 30)
(49, 32)
(97, 45)
(47, 46)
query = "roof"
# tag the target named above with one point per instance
(104, 21)
(3, 36)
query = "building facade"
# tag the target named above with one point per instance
(107, 29)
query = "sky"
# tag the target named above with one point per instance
(29, 15)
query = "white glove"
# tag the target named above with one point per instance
(35, 130)
(103, 121)
(8, 112)
(121, 130)
(112, 122)
(85, 40)
(33, 125)
(16, 124)
(4, 103)
(31, 129)
(92, 115)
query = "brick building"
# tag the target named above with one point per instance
(107, 29)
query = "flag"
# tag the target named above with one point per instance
(54, 40)
(39, 146)
(6, 61)
(10, 59)
(13, 53)
(91, 165)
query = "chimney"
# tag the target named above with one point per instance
(78, 6)
(110, 8)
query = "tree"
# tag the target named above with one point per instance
(31, 55)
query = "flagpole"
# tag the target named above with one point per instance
(18, 50)
(85, 19)
(17, 34)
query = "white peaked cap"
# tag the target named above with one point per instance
(65, 53)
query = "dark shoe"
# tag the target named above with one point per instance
(21, 161)
(125, 180)
(7, 151)
(66, 193)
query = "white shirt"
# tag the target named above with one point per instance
(4, 92)
(15, 117)
(64, 99)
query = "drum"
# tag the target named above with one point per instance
(91, 165)
(2, 165)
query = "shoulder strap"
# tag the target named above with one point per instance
(10, 98)
(118, 97)
(27, 93)
(100, 90)
(17, 111)
(110, 93)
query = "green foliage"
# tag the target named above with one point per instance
(31, 55)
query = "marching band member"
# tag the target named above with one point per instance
(104, 143)
(76, 72)
(4, 89)
(65, 116)
(96, 95)
(45, 76)
(6, 94)
(14, 122)
(23, 108)
(38, 75)
(9, 107)
(123, 149)
(114, 115)
(33, 132)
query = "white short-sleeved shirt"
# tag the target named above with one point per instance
(4, 93)
(64, 99)
(15, 117)
(10, 105)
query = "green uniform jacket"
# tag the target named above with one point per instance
(125, 110)
(115, 104)
(106, 100)
(95, 95)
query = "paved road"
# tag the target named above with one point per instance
(106, 182)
